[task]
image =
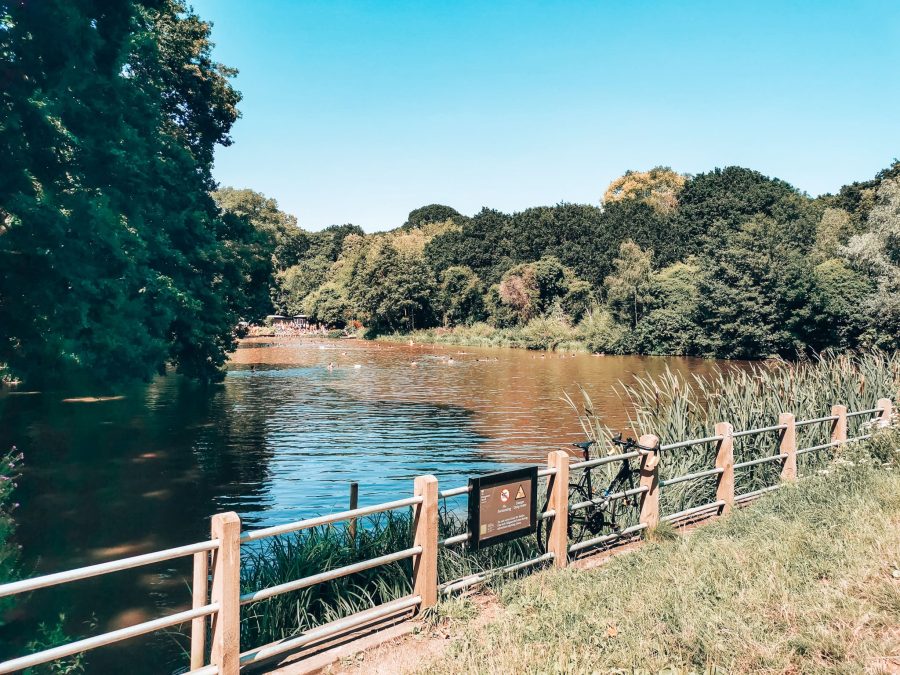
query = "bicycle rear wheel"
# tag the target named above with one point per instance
(583, 523)
(619, 513)
(578, 522)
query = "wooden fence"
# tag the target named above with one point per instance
(217, 562)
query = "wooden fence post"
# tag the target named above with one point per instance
(558, 525)
(225, 650)
(425, 526)
(354, 503)
(725, 461)
(650, 480)
(884, 419)
(199, 590)
(788, 446)
(839, 426)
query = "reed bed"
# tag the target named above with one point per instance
(677, 407)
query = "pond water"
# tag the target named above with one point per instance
(279, 440)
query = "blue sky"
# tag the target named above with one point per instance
(358, 112)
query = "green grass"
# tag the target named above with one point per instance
(803, 581)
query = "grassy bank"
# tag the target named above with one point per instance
(553, 334)
(806, 580)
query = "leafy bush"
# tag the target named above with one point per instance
(547, 332)
(600, 332)
(664, 331)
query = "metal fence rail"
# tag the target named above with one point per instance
(761, 460)
(109, 638)
(480, 577)
(756, 493)
(328, 630)
(585, 464)
(870, 411)
(608, 498)
(322, 577)
(692, 476)
(255, 535)
(695, 441)
(605, 539)
(48, 580)
(693, 511)
(817, 420)
(761, 430)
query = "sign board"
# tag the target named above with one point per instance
(502, 506)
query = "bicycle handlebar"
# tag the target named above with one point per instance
(627, 444)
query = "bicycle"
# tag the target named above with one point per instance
(603, 513)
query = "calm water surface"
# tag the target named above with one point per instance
(279, 440)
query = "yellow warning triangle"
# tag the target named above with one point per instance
(521, 493)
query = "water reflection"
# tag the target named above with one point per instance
(279, 440)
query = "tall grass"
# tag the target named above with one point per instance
(677, 407)
(289, 557)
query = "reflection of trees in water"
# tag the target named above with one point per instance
(116, 478)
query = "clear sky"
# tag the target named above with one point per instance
(359, 112)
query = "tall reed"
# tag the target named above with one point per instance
(676, 407)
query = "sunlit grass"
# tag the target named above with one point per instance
(806, 580)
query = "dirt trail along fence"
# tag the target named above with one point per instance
(215, 611)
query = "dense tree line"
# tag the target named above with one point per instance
(727, 263)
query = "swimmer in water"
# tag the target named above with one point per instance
(331, 366)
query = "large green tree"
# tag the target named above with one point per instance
(715, 204)
(628, 287)
(758, 295)
(114, 257)
(461, 296)
(393, 291)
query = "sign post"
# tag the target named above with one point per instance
(502, 506)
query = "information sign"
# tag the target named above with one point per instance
(502, 506)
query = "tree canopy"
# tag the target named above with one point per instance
(115, 258)
(730, 263)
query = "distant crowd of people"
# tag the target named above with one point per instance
(288, 329)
